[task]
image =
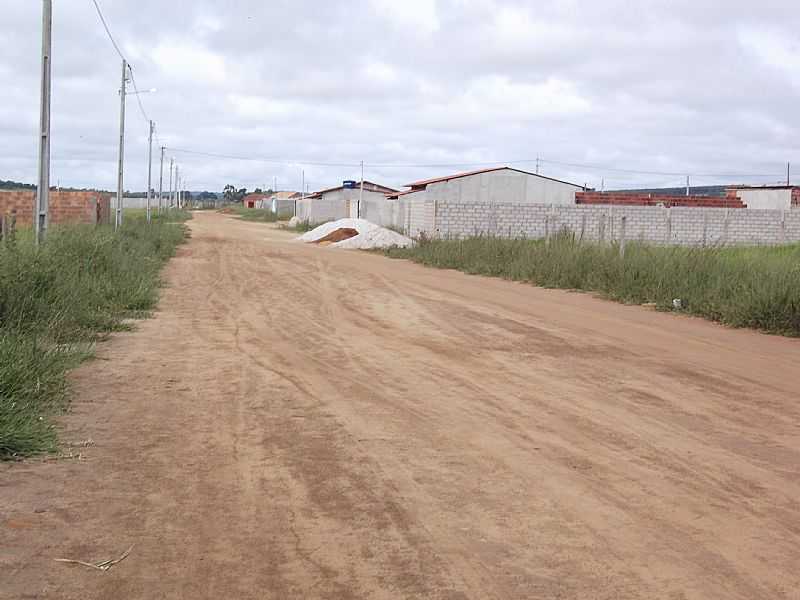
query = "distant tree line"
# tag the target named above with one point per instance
(233, 194)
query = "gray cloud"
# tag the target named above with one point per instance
(678, 86)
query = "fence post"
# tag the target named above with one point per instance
(3, 226)
(783, 226)
(705, 227)
(725, 226)
(602, 228)
(622, 228)
(669, 225)
(583, 226)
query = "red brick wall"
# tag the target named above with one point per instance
(654, 200)
(65, 207)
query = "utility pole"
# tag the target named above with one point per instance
(537, 165)
(150, 170)
(302, 189)
(788, 173)
(169, 195)
(361, 192)
(177, 186)
(161, 181)
(122, 91)
(43, 187)
(687, 185)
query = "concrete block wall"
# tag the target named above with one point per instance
(320, 210)
(658, 225)
(65, 207)
(620, 198)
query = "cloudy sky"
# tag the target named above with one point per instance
(597, 89)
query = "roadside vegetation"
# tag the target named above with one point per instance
(302, 226)
(757, 287)
(263, 215)
(60, 298)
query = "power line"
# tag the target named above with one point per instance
(274, 161)
(108, 31)
(138, 95)
(638, 172)
(279, 161)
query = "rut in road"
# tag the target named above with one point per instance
(303, 422)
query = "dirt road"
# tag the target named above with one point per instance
(304, 422)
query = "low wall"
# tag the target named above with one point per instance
(680, 225)
(65, 207)
(625, 199)
(320, 210)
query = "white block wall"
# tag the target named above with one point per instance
(503, 186)
(680, 225)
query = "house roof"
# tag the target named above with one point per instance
(405, 193)
(284, 195)
(425, 182)
(380, 188)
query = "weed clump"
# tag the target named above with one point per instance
(57, 299)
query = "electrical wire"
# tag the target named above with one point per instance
(138, 96)
(122, 56)
(638, 172)
(108, 31)
(278, 161)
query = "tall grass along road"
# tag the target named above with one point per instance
(56, 300)
(307, 422)
(756, 287)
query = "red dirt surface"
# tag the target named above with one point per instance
(296, 423)
(343, 233)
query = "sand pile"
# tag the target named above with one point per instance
(367, 235)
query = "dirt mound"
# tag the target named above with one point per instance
(338, 235)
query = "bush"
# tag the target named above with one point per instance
(754, 287)
(57, 299)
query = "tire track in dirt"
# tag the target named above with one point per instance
(305, 422)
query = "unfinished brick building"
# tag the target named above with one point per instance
(92, 208)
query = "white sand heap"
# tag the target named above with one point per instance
(368, 235)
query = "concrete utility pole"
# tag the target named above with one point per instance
(177, 186)
(788, 173)
(537, 165)
(361, 191)
(161, 181)
(43, 187)
(122, 91)
(687, 185)
(150, 170)
(171, 166)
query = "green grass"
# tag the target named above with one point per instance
(263, 215)
(57, 300)
(755, 287)
(302, 226)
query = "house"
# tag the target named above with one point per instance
(774, 197)
(343, 201)
(283, 202)
(254, 200)
(496, 185)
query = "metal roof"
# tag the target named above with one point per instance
(426, 182)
